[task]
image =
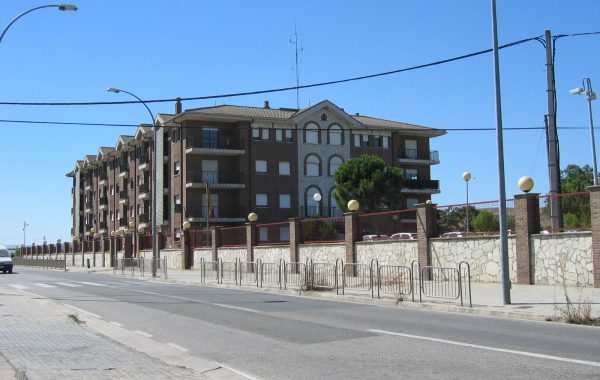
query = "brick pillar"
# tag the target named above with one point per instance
(250, 241)
(352, 234)
(216, 242)
(595, 214)
(113, 251)
(527, 222)
(128, 249)
(295, 239)
(426, 229)
(59, 248)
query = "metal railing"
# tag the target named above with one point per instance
(140, 266)
(41, 263)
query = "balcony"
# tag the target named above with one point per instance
(414, 156)
(421, 186)
(102, 179)
(123, 222)
(143, 219)
(123, 196)
(88, 205)
(102, 226)
(215, 180)
(220, 214)
(143, 191)
(213, 147)
(144, 162)
(123, 171)
(103, 203)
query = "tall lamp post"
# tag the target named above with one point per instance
(61, 7)
(317, 198)
(590, 95)
(154, 177)
(467, 177)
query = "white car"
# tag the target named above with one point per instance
(6, 264)
(404, 236)
(374, 237)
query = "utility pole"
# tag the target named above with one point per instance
(552, 138)
(25, 225)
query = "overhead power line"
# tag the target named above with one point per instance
(281, 89)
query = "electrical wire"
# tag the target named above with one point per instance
(281, 89)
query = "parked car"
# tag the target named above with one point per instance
(404, 236)
(454, 234)
(6, 263)
(374, 237)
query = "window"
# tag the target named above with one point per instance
(311, 134)
(112, 216)
(323, 117)
(364, 141)
(284, 234)
(118, 214)
(255, 133)
(412, 174)
(177, 200)
(312, 207)
(263, 233)
(284, 168)
(356, 140)
(261, 200)
(139, 180)
(139, 209)
(313, 166)
(261, 166)
(264, 132)
(335, 135)
(386, 142)
(176, 168)
(334, 163)
(285, 201)
(378, 141)
(176, 134)
(288, 135)
(410, 149)
(278, 135)
(411, 202)
(210, 138)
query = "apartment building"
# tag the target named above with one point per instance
(270, 161)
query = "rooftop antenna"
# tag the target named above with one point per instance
(294, 42)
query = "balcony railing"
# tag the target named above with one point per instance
(422, 184)
(212, 177)
(143, 188)
(144, 159)
(415, 154)
(212, 144)
(123, 168)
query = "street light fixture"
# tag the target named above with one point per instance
(61, 7)
(317, 198)
(154, 179)
(467, 177)
(525, 184)
(590, 95)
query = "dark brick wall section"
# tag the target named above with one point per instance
(250, 240)
(595, 210)
(352, 235)
(216, 239)
(426, 228)
(295, 239)
(527, 222)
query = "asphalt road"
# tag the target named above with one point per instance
(278, 337)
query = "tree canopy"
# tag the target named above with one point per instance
(370, 181)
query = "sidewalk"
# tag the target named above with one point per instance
(533, 302)
(41, 339)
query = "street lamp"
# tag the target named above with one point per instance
(590, 95)
(154, 179)
(353, 205)
(467, 177)
(525, 184)
(317, 197)
(61, 7)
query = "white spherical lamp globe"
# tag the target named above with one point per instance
(353, 205)
(317, 197)
(467, 176)
(252, 217)
(526, 184)
(186, 225)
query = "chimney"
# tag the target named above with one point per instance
(357, 114)
(266, 104)
(177, 106)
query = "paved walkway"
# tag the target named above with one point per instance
(535, 302)
(41, 339)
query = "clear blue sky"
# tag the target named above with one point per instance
(165, 49)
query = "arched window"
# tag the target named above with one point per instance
(334, 163)
(312, 207)
(311, 133)
(323, 117)
(335, 135)
(333, 209)
(312, 166)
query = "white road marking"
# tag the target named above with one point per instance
(42, 285)
(117, 324)
(178, 347)
(243, 374)
(91, 283)
(477, 346)
(237, 308)
(142, 333)
(69, 284)
(19, 286)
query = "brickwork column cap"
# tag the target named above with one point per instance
(593, 189)
(526, 195)
(295, 219)
(421, 205)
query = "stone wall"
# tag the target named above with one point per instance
(387, 252)
(322, 253)
(482, 253)
(201, 253)
(272, 254)
(564, 258)
(231, 254)
(173, 257)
